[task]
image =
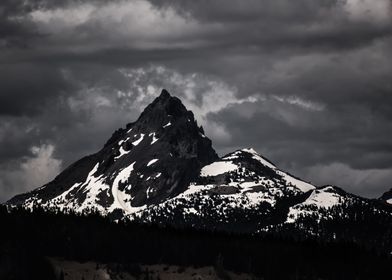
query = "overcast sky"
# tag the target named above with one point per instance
(307, 83)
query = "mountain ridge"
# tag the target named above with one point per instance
(162, 169)
(387, 197)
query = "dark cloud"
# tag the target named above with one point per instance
(272, 25)
(307, 83)
(27, 89)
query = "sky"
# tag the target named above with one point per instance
(307, 83)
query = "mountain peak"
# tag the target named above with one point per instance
(165, 109)
(164, 94)
(151, 160)
(250, 153)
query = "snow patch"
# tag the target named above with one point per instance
(93, 186)
(62, 196)
(303, 186)
(122, 152)
(194, 189)
(152, 161)
(320, 198)
(135, 143)
(121, 199)
(148, 192)
(217, 168)
(325, 198)
(166, 125)
(154, 139)
(259, 158)
(191, 210)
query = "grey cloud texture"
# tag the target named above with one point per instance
(307, 83)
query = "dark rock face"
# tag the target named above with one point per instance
(165, 146)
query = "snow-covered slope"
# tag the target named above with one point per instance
(241, 187)
(323, 198)
(287, 179)
(146, 163)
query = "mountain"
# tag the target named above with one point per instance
(151, 160)
(162, 169)
(387, 197)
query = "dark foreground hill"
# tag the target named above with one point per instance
(28, 239)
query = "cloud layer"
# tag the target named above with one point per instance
(306, 83)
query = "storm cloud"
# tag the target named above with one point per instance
(307, 83)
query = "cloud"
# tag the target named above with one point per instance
(367, 10)
(370, 182)
(32, 171)
(307, 83)
(126, 24)
(294, 136)
(26, 89)
(284, 24)
(202, 94)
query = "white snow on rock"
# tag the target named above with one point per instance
(154, 139)
(194, 189)
(166, 125)
(148, 192)
(232, 156)
(301, 185)
(325, 197)
(121, 199)
(154, 177)
(389, 201)
(135, 143)
(320, 198)
(191, 211)
(122, 152)
(245, 189)
(94, 186)
(123, 175)
(243, 198)
(63, 196)
(217, 168)
(259, 158)
(152, 161)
